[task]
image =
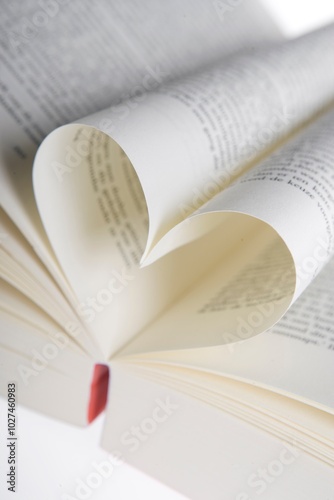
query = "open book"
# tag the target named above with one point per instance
(150, 242)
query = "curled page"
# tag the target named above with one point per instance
(288, 203)
(121, 196)
(44, 84)
(61, 62)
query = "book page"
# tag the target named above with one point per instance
(107, 212)
(99, 245)
(43, 330)
(45, 383)
(309, 425)
(292, 191)
(159, 429)
(188, 140)
(53, 71)
(20, 267)
(293, 358)
(288, 202)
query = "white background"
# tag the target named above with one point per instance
(52, 456)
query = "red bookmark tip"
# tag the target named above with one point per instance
(98, 391)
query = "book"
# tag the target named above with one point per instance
(167, 220)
